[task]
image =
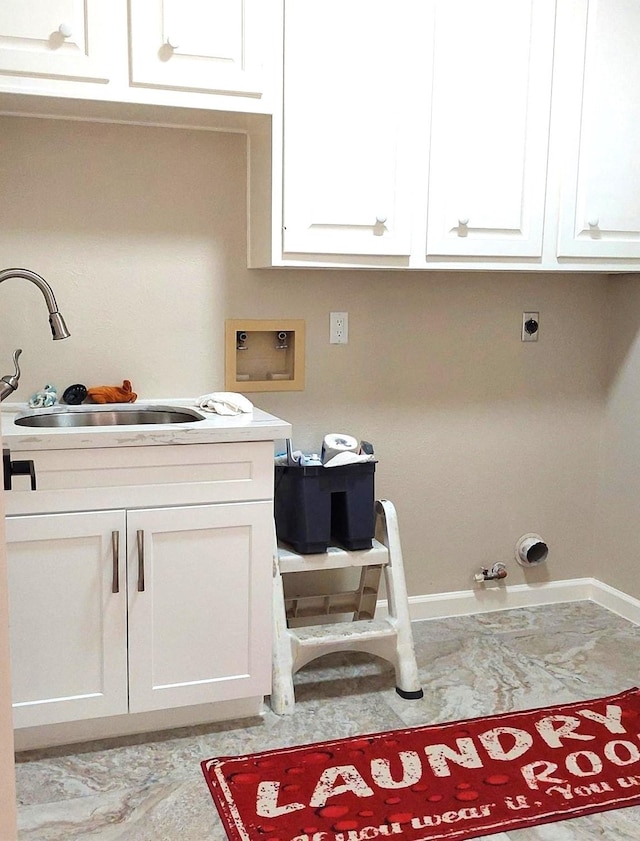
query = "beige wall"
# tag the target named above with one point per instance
(480, 438)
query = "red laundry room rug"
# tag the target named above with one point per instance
(453, 781)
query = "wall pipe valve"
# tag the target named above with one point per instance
(496, 572)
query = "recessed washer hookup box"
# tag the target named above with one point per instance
(316, 506)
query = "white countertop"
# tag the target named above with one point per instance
(213, 429)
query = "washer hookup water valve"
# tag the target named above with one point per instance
(496, 572)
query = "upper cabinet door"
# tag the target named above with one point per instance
(599, 129)
(200, 45)
(490, 127)
(56, 39)
(347, 163)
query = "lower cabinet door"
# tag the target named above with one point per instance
(67, 609)
(199, 580)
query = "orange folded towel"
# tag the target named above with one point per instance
(112, 393)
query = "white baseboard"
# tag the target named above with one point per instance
(497, 596)
(88, 730)
(616, 601)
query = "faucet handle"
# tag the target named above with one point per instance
(12, 379)
(16, 354)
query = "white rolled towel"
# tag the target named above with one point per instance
(224, 403)
(338, 442)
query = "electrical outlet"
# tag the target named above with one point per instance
(530, 326)
(339, 328)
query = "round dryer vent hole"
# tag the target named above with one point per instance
(531, 550)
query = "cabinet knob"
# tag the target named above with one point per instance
(172, 43)
(381, 218)
(65, 30)
(463, 221)
(593, 222)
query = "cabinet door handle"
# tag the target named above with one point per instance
(140, 542)
(16, 468)
(115, 555)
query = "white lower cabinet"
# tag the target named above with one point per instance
(129, 611)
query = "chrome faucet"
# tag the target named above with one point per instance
(9, 383)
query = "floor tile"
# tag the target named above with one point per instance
(150, 787)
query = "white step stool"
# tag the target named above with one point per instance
(390, 638)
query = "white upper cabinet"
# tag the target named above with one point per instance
(56, 39)
(347, 127)
(419, 113)
(502, 134)
(200, 45)
(489, 135)
(600, 171)
(214, 55)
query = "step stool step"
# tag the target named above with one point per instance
(365, 629)
(334, 558)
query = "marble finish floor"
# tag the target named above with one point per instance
(150, 788)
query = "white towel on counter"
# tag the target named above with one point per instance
(224, 403)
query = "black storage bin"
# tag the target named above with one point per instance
(315, 506)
